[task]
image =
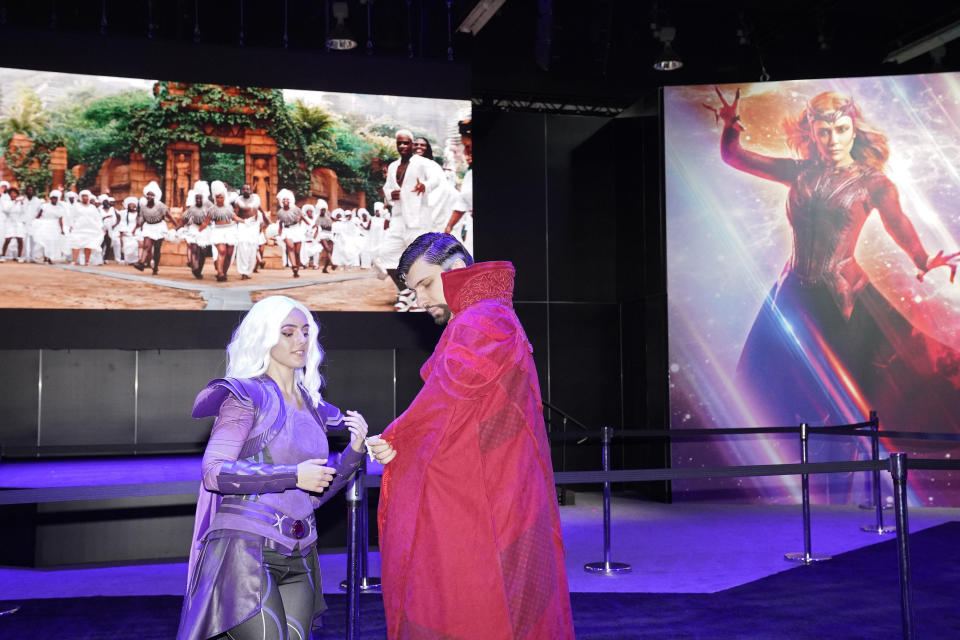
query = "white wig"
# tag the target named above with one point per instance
(191, 196)
(201, 186)
(217, 188)
(285, 193)
(248, 354)
(405, 132)
(129, 200)
(153, 188)
(322, 205)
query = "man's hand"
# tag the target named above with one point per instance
(312, 475)
(381, 450)
(358, 430)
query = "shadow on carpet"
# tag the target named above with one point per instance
(856, 595)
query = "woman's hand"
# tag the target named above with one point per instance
(313, 476)
(727, 112)
(941, 260)
(381, 450)
(358, 430)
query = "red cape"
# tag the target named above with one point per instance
(470, 537)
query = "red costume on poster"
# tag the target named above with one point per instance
(470, 535)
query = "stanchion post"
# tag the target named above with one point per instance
(606, 567)
(898, 469)
(806, 556)
(878, 528)
(366, 582)
(354, 502)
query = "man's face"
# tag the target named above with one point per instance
(424, 279)
(245, 191)
(85, 199)
(30, 192)
(53, 199)
(404, 146)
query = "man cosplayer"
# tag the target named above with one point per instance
(470, 536)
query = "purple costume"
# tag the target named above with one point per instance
(249, 500)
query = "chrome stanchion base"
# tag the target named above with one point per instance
(366, 584)
(870, 506)
(804, 558)
(10, 612)
(872, 528)
(607, 568)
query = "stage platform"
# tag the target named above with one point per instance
(676, 548)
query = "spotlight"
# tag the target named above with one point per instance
(340, 37)
(668, 60)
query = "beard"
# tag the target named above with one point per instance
(442, 318)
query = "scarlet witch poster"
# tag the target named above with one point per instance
(813, 231)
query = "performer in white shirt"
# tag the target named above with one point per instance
(460, 224)
(405, 189)
(289, 217)
(28, 213)
(441, 194)
(11, 204)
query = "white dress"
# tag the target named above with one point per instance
(47, 235)
(154, 220)
(248, 240)
(86, 227)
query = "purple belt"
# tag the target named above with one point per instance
(286, 525)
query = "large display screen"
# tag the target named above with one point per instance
(111, 185)
(813, 232)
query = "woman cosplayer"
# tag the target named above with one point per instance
(253, 570)
(824, 314)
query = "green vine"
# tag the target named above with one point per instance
(20, 161)
(182, 115)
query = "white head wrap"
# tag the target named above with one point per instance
(232, 197)
(322, 204)
(4, 183)
(363, 212)
(71, 196)
(309, 207)
(86, 192)
(201, 186)
(337, 214)
(153, 188)
(56, 194)
(102, 198)
(217, 188)
(191, 197)
(129, 200)
(285, 193)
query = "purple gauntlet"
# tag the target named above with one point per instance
(243, 476)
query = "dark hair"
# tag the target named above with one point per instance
(429, 152)
(435, 248)
(466, 127)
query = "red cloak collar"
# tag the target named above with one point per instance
(481, 281)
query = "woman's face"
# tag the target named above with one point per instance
(420, 146)
(835, 140)
(219, 199)
(291, 350)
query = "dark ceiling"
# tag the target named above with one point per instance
(598, 52)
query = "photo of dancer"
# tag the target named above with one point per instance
(862, 312)
(98, 141)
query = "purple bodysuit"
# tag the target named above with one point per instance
(249, 498)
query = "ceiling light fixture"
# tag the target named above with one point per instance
(479, 16)
(340, 38)
(668, 60)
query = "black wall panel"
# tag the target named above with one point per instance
(88, 397)
(168, 383)
(19, 377)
